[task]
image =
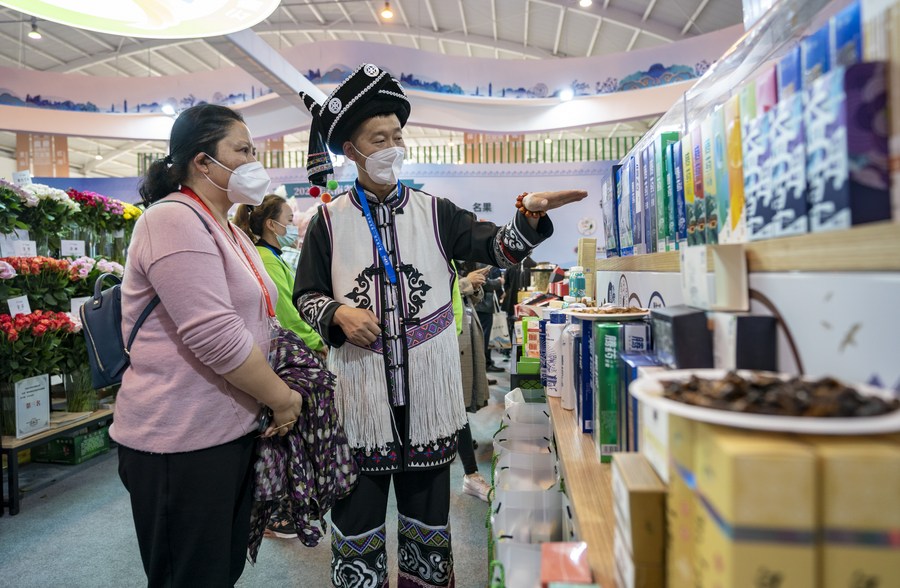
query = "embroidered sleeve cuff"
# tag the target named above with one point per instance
(318, 310)
(515, 241)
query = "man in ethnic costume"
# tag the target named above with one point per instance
(375, 281)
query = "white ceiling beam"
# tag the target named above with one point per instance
(193, 56)
(148, 67)
(111, 156)
(622, 17)
(462, 18)
(694, 17)
(594, 38)
(559, 29)
(345, 13)
(634, 38)
(30, 47)
(613, 131)
(494, 17)
(527, 20)
(160, 55)
(399, 8)
(95, 39)
(315, 12)
(430, 8)
(647, 12)
(141, 47)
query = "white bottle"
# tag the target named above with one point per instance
(553, 337)
(567, 376)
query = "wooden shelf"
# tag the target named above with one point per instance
(874, 247)
(589, 487)
(10, 442)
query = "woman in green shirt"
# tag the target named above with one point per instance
(270, 226)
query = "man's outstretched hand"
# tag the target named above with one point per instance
(545, 201)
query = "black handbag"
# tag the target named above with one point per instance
(101, 322)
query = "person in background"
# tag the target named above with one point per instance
(187, 413)
(518, 277)
(375, 280)
(270, 226)
(492, 285)
(468, 291)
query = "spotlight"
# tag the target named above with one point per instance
(386, 12)
(98, 157)
(34, 33)
(566, 94)
(168, 109)
(585, 3)
(548, 140)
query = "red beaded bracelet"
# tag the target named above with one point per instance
(529, 213)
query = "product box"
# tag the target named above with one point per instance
(790, 74)
(588, 371)
(681, 504)
(624, 189)
(732, 223)
(747, 102)
(710, 186)
(632, 574)
(787, 165)
(681, 337)
(665, 207)
(766, 91)
(744, 341)
(637, 203)
(564, 562)
(847, 147)
(75, 449)
(639, 497)
(609, 339)
(847, 36)
(758, 509)
(687, 173)
(699, 202)
(758, 209)
(675, 194)
(721, 203)
(815, 51)
(653, 427)
(649, 167)
(859, 482)
(609, 205)
(729, 288)
(628, 410)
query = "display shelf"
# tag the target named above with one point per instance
(10, 447)
(589, 488)
(874, 247)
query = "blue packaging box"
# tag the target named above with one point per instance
(790, 74)
(816, 54)
(649, 195)
(637, 203)
(757, 187)
(681, 217)
(846, 36)
(629, 362)
(847, 147)
(787, 164)
(624, 191)
(610, 208)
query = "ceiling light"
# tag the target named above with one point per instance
(386, 12)
(167, 108)
(585, 3)
(548, 140)
(566, 94)
(98, 157)
(34, 33)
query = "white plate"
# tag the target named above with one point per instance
(625, 316)
(648, 389)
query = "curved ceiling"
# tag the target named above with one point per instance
(498, 29)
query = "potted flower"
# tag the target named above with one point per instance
(49, 219)
(45, 281)
(13, 200)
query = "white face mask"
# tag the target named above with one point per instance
(248, 183)
(384, 166)
(290, 235)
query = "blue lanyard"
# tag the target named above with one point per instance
(382, 252)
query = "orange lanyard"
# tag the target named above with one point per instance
(191, 194)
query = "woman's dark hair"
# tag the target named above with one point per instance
(197, 129)
(252, 219)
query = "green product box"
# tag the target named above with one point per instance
(609, 340)
(665, 206)
(75, 449)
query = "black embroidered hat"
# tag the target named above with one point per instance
(368, 91)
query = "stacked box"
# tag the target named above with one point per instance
(787, 168)
(681, 504)
(639, 497)
(816, 55)
(609, 339)
(687, 172)
(626, 212)
(766, 92)
(844, 117)
(859, 482)
(699, 202)
(846, 36)
(709, 180)
(758, 208)
(649, 155)
(637, 203)
(732, 223)
(718, 207)
(628, 406)
(790, 74)
(675, 195)
(757, 518)
(587, 378)
(74, 449)
(609, 205)
(665, 211)
(587, 258)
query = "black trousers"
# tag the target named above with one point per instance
(487, 323)
(466, 450)
(191, 512)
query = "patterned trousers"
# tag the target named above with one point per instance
(425, 556)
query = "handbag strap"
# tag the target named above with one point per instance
(155, 301)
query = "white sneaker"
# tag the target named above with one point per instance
(476, 485)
